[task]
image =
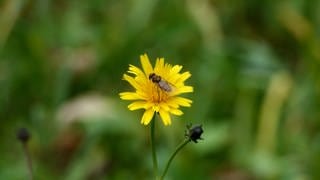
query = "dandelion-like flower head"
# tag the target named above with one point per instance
(153, 95)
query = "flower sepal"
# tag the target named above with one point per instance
(193, 133)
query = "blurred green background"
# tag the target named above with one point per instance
(255, 68)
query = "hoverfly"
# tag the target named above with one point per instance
(162, 84)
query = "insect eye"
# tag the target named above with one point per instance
(151, 75)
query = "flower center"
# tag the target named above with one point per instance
(158, 94)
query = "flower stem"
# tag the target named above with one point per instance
(181, 145)
(25, 149)
(154, 155)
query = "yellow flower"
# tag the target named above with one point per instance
(157, 95)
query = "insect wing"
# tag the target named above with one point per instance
(165, 86)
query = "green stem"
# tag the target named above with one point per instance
(181, 145)
(25, 149)
(154, 155)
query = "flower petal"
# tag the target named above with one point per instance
(137, 105)
(135, 70)
(147, 116)
(176, 112)
(159, 67)
(132, 81)
(172, 104)
(147, 67)
(183, 89)
(172, 75)
(182, 101)
(130, 96)
(184, 76)
(175, 69)
(156, 108)
(164, 106)
(166, 119)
